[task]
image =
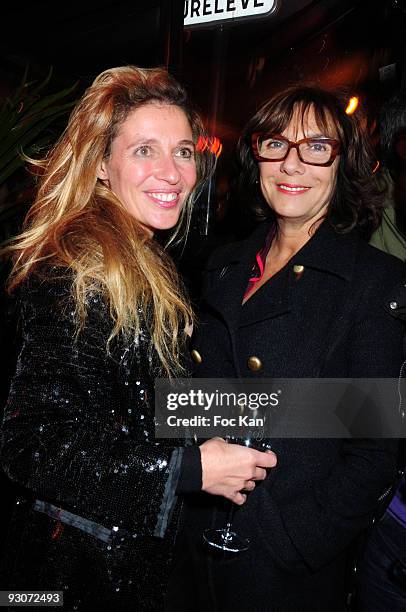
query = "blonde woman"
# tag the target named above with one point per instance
(103, 314)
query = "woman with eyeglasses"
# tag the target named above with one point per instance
(302, 297)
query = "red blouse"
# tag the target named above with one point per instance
(258, 267)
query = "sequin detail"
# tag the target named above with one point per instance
(79, 429)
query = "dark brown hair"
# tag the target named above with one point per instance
(357, 199)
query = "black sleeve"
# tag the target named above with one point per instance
(190, 478)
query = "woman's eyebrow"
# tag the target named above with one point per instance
(317, 135)
(141, 140)
(148, 141)
(188, 142)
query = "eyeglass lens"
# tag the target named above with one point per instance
(313, 150)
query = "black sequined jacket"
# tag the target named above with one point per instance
(78, 436)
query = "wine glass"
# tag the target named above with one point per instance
(226, 538)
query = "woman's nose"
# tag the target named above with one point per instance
(167, 169)
(292, 164)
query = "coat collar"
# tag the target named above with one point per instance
(327, 251)
(231, 265)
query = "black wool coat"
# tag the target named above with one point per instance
(98, 516)
(332, 319)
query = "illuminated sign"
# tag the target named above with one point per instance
(197, 12)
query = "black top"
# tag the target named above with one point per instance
(78, 435)
(332, 320)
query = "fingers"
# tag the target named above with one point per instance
(265, 460)
(249, 486)
(259, 474)
(228, 469)
(239, 498)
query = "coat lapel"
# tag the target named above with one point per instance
(272, 299)
(228, 272)
(230, 268)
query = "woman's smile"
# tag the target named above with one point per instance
(165, 199)
(298, 192)
(292, 189)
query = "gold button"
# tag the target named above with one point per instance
(298, 269)
(254, 364)
(196, 356)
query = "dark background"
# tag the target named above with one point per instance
(228, 69)
(355, 45)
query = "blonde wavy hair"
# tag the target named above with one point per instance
(78, 223)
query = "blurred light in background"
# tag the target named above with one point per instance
(352, 105)
(213, 144)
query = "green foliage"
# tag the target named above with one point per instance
(25, 119)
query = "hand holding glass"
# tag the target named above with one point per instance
(226, 538)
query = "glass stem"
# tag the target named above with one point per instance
(230, 519)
